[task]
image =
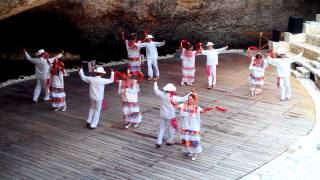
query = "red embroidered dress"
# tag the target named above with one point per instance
(130, 106)
(190, 130)
(58, 96)
(257, 68)
(188, 66)
(133, 50)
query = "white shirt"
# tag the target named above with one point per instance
(96, 85)
(167, 110)
(212, 55)
(42, 66)
(133, 52)
(283, 64)
(151, 48)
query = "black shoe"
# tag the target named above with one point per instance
(158, 145)
(92, 128)
(88, 125)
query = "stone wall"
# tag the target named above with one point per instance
(93, 26)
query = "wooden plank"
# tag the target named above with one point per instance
(38, 143)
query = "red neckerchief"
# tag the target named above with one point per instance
(171, 94)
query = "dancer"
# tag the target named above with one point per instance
(191, 126)
(283, 63)
(58, 96)
(96, 94)
(212, 62)
(168, 100)
(188, 63)
(133, 50)
(42, 64)
(152, 55)
(129, 89)
(256, 76)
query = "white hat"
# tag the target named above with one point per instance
(149, 36)
(209, 44)
(41, 51)
(169, 87)
(99, 70)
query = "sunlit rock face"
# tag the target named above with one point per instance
(92, 27)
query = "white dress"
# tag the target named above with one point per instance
(188, 66)
(134, 61)
(130, 105)
(256, 76)
(57, 93)
(190, 130)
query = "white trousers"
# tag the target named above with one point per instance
(94, 113)
(212, 76)
(153, 63)
(41, 85)
(165, 124)
(285, 88)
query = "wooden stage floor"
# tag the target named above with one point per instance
(38, 143)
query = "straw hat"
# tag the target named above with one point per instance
(169, 87)
(41, 51)
(149, 36)
(100, 70)
(209, 44)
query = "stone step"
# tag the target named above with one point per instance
(289, 37)
(279, 46)
(313, 39)
(318, 17)
(306, 63)
(297, 74)
(310, 51)
(311, 27)
(315, 64)
(303, 71)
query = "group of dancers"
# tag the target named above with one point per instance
(50, 72)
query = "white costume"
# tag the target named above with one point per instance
(133, 50)
(212, 62)
(42, 71)
(284, 73)
(57, 93)
(129, 93)
(167, 112)
(96, 95)
(152, 56)
(188, 66)
(190, 130)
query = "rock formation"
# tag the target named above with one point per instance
(91, 27)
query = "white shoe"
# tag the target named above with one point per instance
(288, 98)
(128, 125)
(194, 157)
(182, 83)
(283, 99)
(252, 93)
(136, 125)
(64, 108)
